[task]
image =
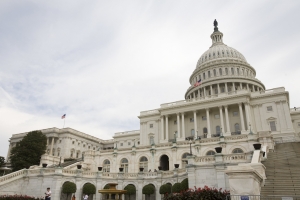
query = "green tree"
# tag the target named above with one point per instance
(176, 188)
(2, 161)
(68, 188)
(28, 151)
(106, 186)
(131, 190)
(148, 190)
(165, 189)
(89, 189)
(185, 184)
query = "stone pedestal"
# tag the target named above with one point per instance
(244, 180)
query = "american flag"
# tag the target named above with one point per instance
(197, 83)
(64, 116)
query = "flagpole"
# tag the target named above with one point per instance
(64, 122)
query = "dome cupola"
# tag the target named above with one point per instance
(221, 69)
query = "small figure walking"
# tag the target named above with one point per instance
(73, 197)
(85, 197)
(48, 194)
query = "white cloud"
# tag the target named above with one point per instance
(103, 62)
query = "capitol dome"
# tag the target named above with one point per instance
(221, 69)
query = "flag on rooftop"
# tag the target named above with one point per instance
(197, 83)
(64, 116)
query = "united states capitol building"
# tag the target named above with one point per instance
(225, 106)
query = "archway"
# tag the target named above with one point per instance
(67, 190)
(164, 162)
(89, 189)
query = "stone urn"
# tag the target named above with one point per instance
(44, 165)
(159, 168)
(79, 166)
(176, 166)
(121, 169)
(100, 169)
(141, 169)
(257, 146)
(218, 149)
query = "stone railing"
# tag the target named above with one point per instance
(295, 109)
(149, 112)
(127, 132)
(236, 137)
(13, 176)
(231, 158)
(205, 159)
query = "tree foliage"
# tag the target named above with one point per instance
(88, 189)
(2, 161)
(185, 184)
(176, 188)
(68, 188)
(148, 189)
(28, 151)
(131, 190)
(106, 186)
(165, 189)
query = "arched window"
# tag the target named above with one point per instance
(193, 132)
(220, 72)
(210, 153)
(204, 130)
(218, 130)
(232, 71)
(208, 74)
(237, 150)
(124, 164)
(184, 160)
(226, 71)
(106, 166)
(203, 75)
(238, 71)
(144, 163)
(215, 73)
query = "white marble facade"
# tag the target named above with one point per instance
(229, 109)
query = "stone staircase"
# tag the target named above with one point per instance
(66, 164)
(283, 170)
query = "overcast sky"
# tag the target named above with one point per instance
(102, 62)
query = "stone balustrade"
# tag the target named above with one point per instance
(227, 158)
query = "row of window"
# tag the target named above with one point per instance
(143, 162)
(226, 72)
(224, 53)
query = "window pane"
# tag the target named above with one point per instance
(273, 126)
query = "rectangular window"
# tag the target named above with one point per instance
(151, 125)
(203, 118)
(191, 119)
(121, 144)
(229, 89)
(269, 108)
(203, 75)
(129, 143)
(235, 113)
(175, 121)
(217, 116)
(216, 91)
(273, 126)
(208, 74)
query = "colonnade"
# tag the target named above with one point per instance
(222, 88)
(224, 124)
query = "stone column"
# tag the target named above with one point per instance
(178, 125)
(241, 86)
(226, 88)
(52, 143)
(211, 90)
(167, 128)
(199, 93)
(204, 91)
(208, 123)
(162, 136)
(183, 128)
(247, 115)
(218, 89)
(253, 88)
(242, 117)
(247, 86)
(228, 132)
(233, 86)
(221, 118)
(195, 124)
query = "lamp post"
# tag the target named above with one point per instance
(190, 147)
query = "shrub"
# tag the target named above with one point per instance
(131, 190)
(185, 184)
(176, 188)
(165, 189)
(88, 189)
(68, 188)
(148, 190)
(19, 197)
(205, 193)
